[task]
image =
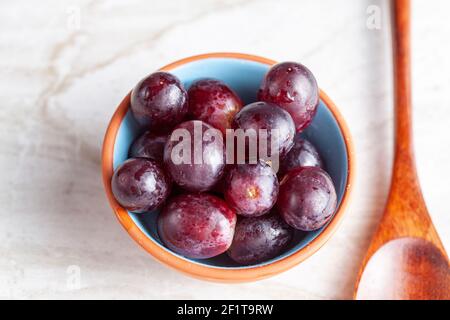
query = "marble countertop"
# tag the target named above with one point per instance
(65, 67)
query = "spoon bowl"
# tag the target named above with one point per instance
(405, 268)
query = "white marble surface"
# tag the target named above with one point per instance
(60, 82)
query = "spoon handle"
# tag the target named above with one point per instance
(405, 196)
(406, 214)
(402, 82)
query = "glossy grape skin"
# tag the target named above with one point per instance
(140, 185)
(149, 145)
(220, 187)
(213, 102)
(159, 102)
(196, 177)
(251, 189)
(307, 199)
(197, 226)
(263, 115)
(294, 88)
(259, 239)
(302, 154)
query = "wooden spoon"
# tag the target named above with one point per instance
(406, 259)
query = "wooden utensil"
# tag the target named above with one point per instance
(406, 259)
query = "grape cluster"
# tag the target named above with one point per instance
(249, 210)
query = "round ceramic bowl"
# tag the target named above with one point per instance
(243, 73)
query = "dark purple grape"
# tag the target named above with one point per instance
(159, 102)
(149, 145)
(140, 185)
(251, 189)
(263, 115)
(293, 87)
(197, 226)
(213, 102)
(302, 154)
(194, 155)
(259, 239)
(307, 198)
(220, 186)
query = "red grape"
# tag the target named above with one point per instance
(140, 185)
(307, 198)
(263, 115)
(219, 187)
(251, 189)
(159, 101)
(259, 239)
(293, 87)
(197, 226)
(149, 145)
(302, 154)
(214, 102)
(179, 156)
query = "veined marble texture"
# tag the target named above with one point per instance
(65, 66)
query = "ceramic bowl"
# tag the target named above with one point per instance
(243, 73)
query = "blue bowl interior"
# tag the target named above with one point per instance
(244, 77)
